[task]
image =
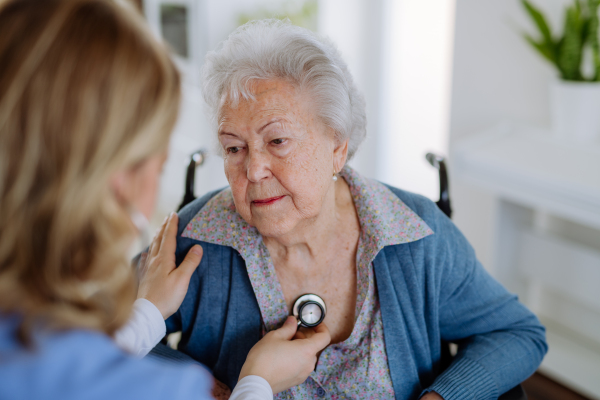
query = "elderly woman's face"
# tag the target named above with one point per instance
(279, 157)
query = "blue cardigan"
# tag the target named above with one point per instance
(429, 290)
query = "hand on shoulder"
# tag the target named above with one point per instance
(161, 282)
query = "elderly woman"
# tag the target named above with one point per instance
(397, 276)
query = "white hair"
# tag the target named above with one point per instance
(274, 49)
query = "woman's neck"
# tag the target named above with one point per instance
(311, 239)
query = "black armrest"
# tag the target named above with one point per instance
(516, 393)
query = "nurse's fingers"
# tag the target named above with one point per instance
(190, 262)
(142, 266)
(168, 243)
(321, 338)
(288, 329)
(300, 335)
(304, 333)
(155, 245)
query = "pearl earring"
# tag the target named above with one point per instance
(334, 177)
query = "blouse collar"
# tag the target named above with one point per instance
(384, 219)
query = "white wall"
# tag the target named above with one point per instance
(355, 27)
(496, 77)
(399, 52)
(415, 101)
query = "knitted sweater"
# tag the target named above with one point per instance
(430, 290)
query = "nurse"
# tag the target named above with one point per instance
(87, 102)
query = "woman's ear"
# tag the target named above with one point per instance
(340, 155)
(119, 183)
(138, 186)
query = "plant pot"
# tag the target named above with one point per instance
(575, 109)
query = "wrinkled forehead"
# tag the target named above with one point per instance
(261, 95)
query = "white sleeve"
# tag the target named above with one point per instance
(252, 387)
(145, 328)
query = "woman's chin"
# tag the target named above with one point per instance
(273, 226)
(276, 219)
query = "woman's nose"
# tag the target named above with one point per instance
(258, 166)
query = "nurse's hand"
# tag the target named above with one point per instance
(284, 362)
(160, 282)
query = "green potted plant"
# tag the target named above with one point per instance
(575, 96)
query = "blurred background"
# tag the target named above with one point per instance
(507, 91)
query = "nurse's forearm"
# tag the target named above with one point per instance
(252, 387)
(161, 290)
(144, 330)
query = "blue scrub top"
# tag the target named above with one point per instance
(80, 364)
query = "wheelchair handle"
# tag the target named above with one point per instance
(197, 158)
(439, 163)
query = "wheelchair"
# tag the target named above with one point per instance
(438, 162)
(197, 158)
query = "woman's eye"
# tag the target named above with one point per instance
(233, 149)
(278, 141)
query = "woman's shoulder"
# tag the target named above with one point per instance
(446, 247)
(419, 204)
(80, 363)
(446, 236)
(213, 221)
(206, 221)
(187, 213)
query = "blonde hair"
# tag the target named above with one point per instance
(85, 91)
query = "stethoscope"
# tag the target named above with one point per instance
(310, 310)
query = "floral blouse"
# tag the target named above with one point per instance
(357, 367)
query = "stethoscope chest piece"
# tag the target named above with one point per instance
(310, 310)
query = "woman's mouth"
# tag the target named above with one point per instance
(267, 202)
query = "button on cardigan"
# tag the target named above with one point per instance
(429, 290)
